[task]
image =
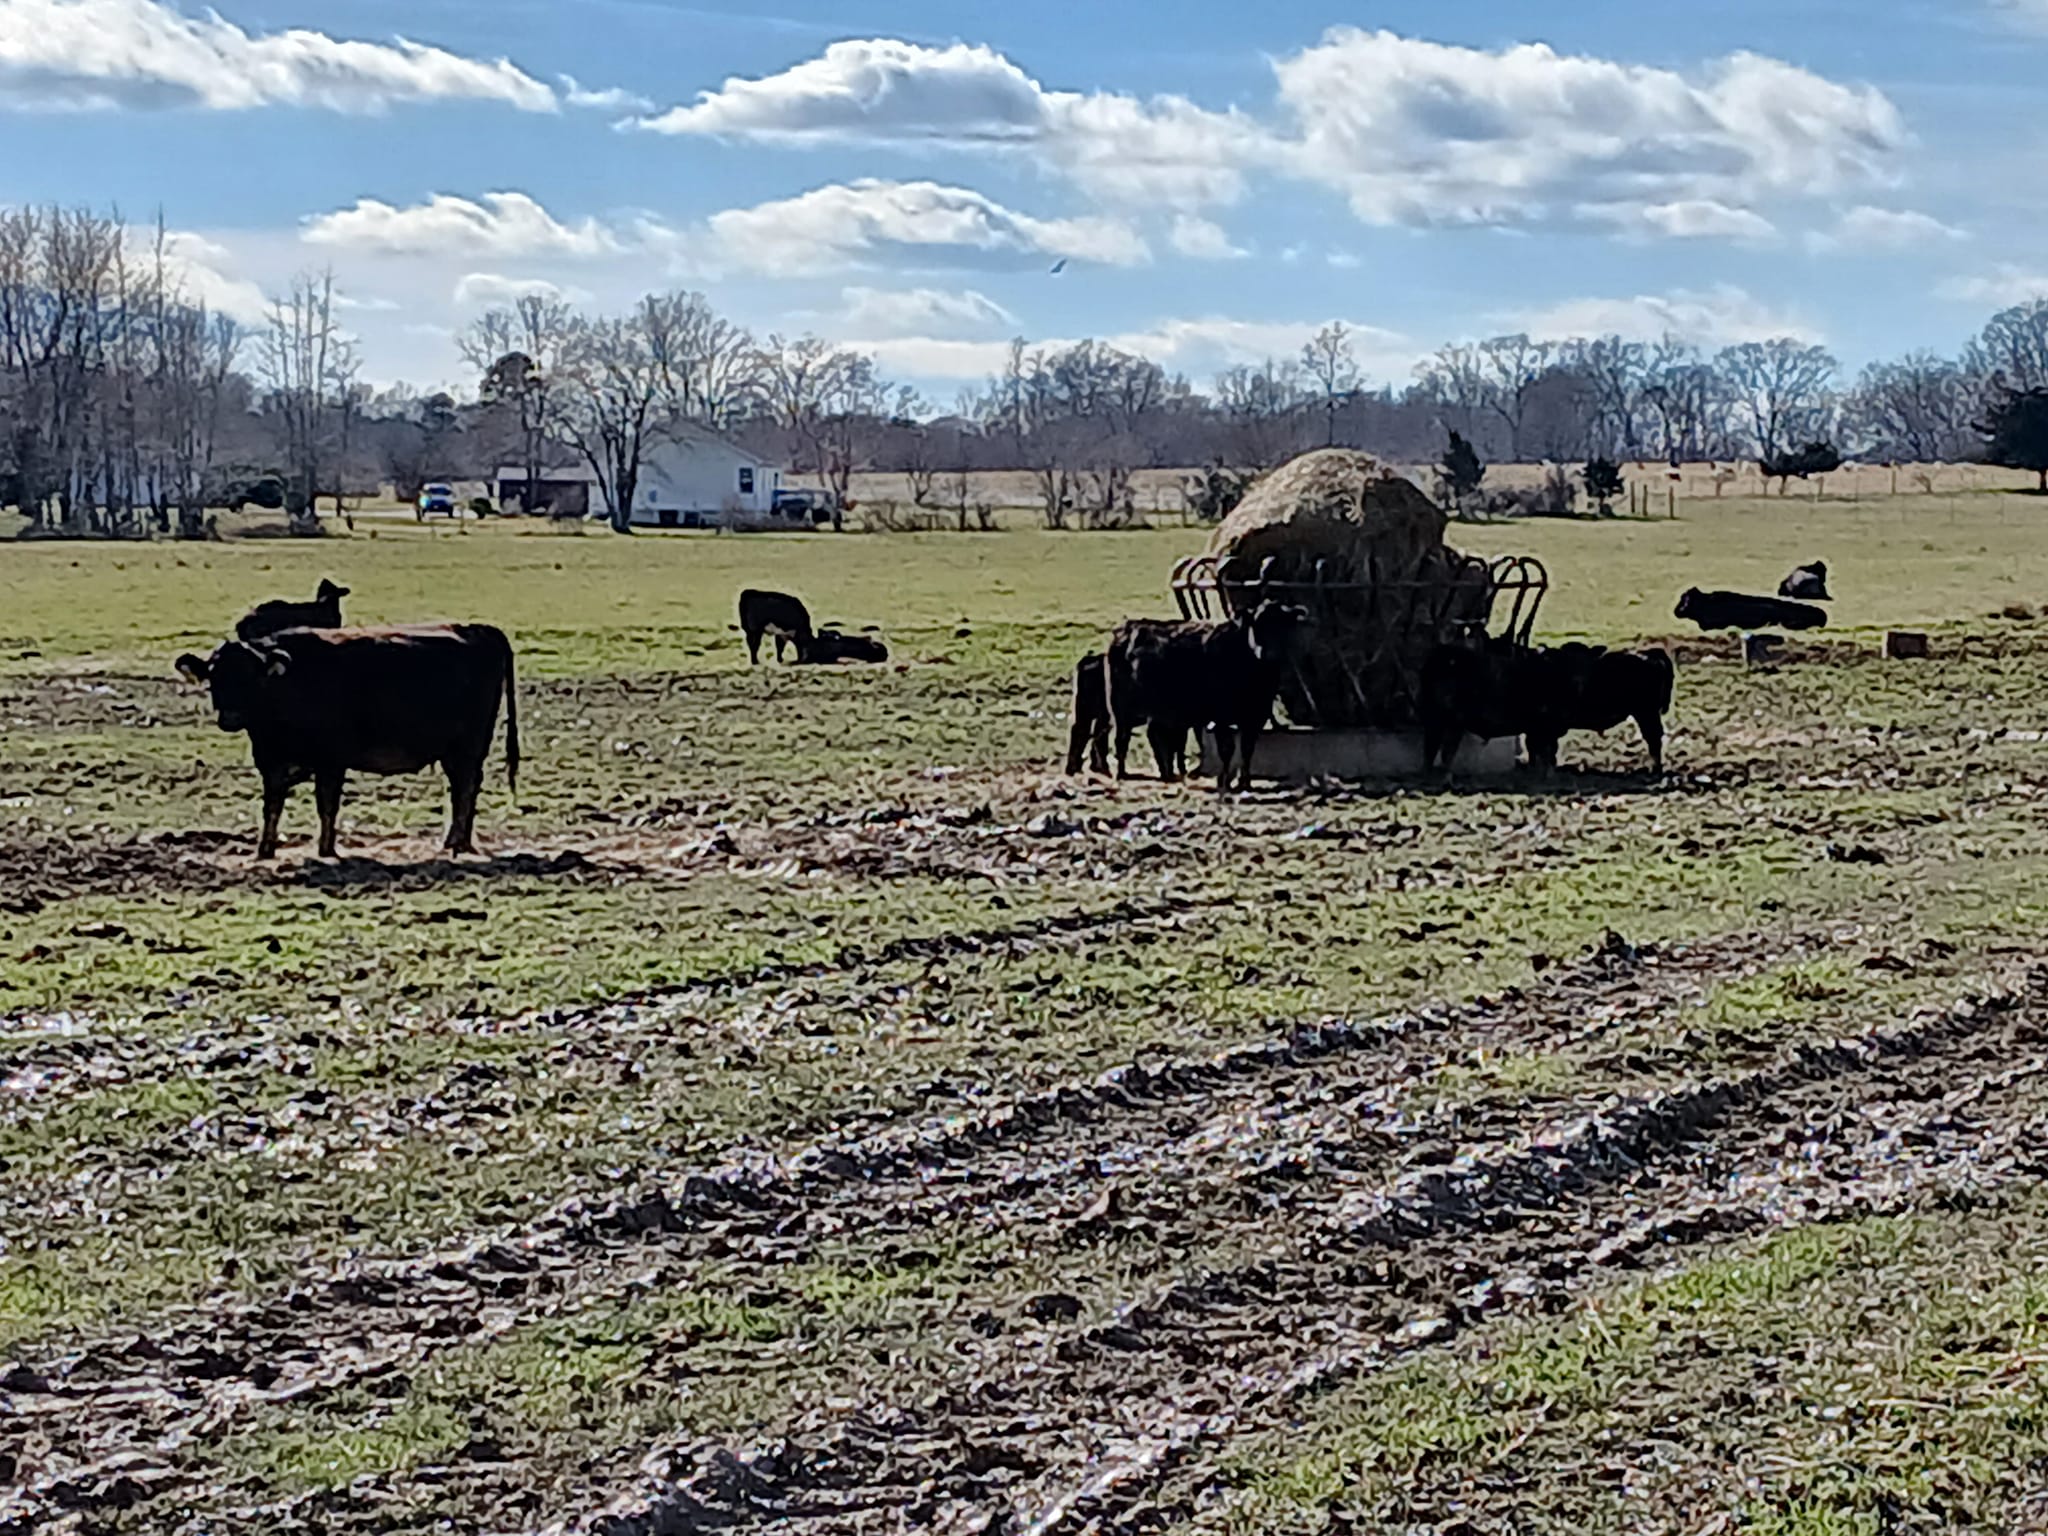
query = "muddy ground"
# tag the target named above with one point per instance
(894, 1135)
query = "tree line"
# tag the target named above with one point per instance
(127, 406)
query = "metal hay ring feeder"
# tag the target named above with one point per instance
(1370, 637)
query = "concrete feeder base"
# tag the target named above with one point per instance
(1297, 757)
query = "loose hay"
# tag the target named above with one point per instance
(1363, 548)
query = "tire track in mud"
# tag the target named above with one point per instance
(1076, 1429)
(1221, 1129)
(66, 1056)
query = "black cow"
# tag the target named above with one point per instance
(1809, 582)
(829, 645)
(1499, 689)
(1739, 610)
(324, 612)
(1088, 737)
(1168, 738)
(777, 614)
(317, 703)
(1180, 677)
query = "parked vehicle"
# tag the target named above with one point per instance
(799, 506)
(439, 499)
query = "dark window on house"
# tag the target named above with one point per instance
(747, 481)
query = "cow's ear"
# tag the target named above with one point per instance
(277, 662)
(194, 669)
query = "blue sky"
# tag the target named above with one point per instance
(1221, 178)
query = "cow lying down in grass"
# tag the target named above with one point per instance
(1498, 688)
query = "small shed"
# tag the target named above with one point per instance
(694, 478)
(570, 490)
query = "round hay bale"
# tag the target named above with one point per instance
(1341, 507)
(1363, 549)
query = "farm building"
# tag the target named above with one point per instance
(697, 479)
(569, 489)
(691, 479)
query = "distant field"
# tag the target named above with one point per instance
(746, 1099)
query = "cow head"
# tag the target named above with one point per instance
(1685, 603)
(1272, 629)
(329, 592)
(240, 675)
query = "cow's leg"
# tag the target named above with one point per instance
(754, 647)
(465, 785)
(781, 643)
(1098, 744)
(1226, 745)
(1079, 735)
(277, 784)
(1652, 727)
(1123, 749)
(327, 796)
(1247, 743)
(1543, 752)
(1164, 751)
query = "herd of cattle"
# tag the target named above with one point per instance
(319, 700)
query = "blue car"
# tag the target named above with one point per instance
(435, 498)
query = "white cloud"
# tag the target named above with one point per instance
(500, 224)
(1423, 133)
(1410, 132)
(921, 312)
(883, 90)
(610, 99)
(2000, 288)
(1694, 219)
(138, 55)
(1344, 261)
(1203, 239)
(203, 271)
(482, 290)
(1719, 316)
(906, 224)
(1892, 229)
(1197, 346)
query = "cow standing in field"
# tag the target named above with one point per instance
(777, 614)
(1181, 677)
(317, 703)
(1739, 610)
(324, 612)
(1088, 735)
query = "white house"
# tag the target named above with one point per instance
(694, 478)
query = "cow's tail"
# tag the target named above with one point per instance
(511, 726)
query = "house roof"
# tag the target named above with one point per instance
(565, 474)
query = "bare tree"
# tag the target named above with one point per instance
(1512, 366)
(711, 368)
(2012, 350)
(828, 400)
(1328, 361)
(613, 404)
(1261, 407)
(1919, 409)
(1455, 381)
(307, 367)
(520, 352)
(1781, 389)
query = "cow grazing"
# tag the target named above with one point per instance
(777, 614)
(324, 612)
(1181, 677)
(317, 703)
(1503, 689)
(1808, 583)
(1738, 610)
(829, 645)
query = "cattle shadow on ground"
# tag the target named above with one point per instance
(359, 872)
